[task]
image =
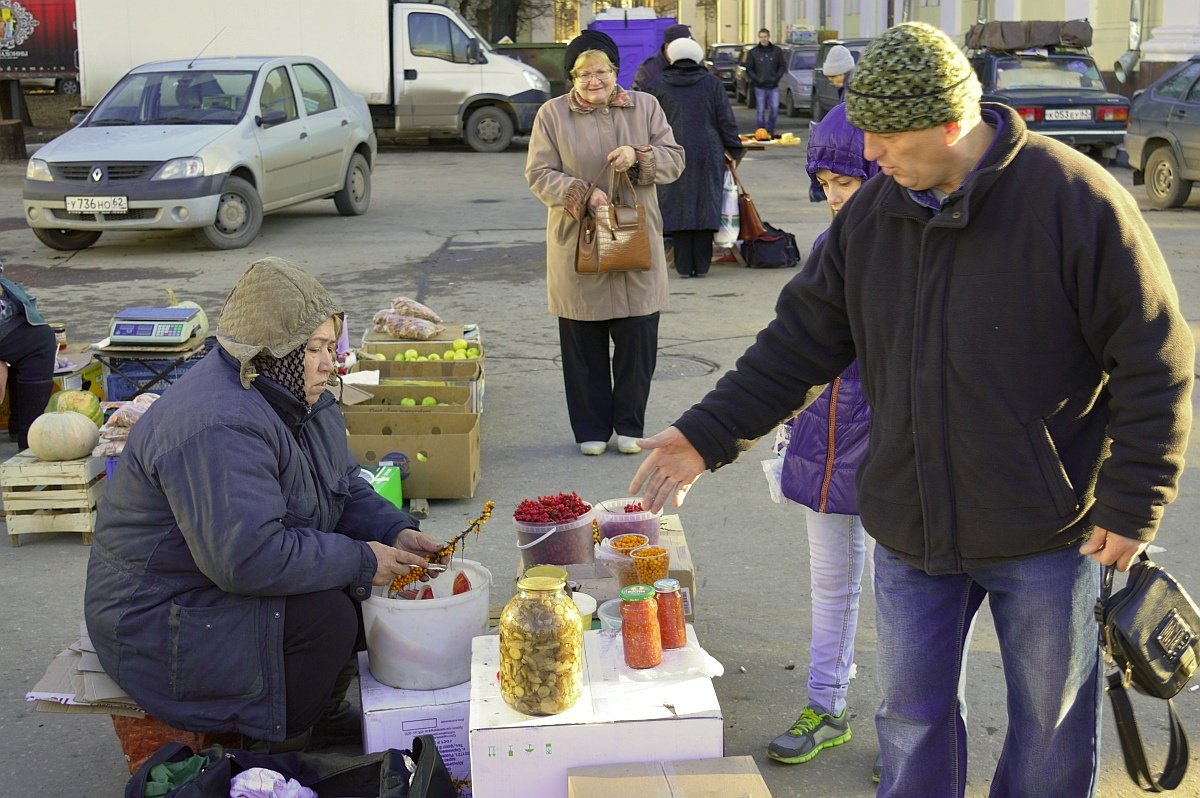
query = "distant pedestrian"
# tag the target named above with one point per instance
(27, 345)
(652, 68)
(766, 64)
(698, 111)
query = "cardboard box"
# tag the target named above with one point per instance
(696, 778)
(415, 369)
(439, 452)
(392, 718)
(386, 398)
(621, 716)
(595, 580)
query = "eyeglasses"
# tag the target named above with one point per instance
(599, 74)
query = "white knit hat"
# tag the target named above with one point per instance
(685, 48)
(838, 61)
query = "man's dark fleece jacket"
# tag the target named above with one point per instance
(1028, 369)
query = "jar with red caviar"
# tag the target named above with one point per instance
(670, 613)
(639, 627)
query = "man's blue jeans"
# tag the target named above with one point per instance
(766, 106)
(1042, 607)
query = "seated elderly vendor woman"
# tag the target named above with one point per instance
(237, 538)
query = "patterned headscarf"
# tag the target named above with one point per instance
(913, 77)
(288, 371)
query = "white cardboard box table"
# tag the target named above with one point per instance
(623, 715)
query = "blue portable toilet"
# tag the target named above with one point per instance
(638, 36)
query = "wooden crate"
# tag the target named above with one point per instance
(41, 497)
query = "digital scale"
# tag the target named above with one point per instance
(170, 326)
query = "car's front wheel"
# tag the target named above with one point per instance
(489, 129)
(239, 217)
(65, 240)
(789, 103)
(1165, 187)
(355, 196)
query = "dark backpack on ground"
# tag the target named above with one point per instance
(386, 774)
(774, 249)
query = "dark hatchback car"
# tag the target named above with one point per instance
(824, 93)
(1059, 93)
(722, 60)
(1163, 138)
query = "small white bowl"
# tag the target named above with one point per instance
(610, 614)
(587, 608)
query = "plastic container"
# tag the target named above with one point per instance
(652, 563)
(587, 608)
(557, 544)
(609, 614)
(125, 377)
(615, 521)
(541, 648)
(618, 563)
(426, 645)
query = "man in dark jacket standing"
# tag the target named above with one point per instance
(765, 65)
(650, 70)
(1029, 375)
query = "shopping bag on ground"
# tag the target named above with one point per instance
(774, 249)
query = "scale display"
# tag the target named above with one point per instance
(163, 326)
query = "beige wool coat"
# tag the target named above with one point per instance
(566, 150)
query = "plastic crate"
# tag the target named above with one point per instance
(129, 376)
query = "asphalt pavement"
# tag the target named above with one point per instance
(459, 231)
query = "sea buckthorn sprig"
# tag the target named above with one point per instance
(475, 526)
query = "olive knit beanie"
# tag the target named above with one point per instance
(913, 77)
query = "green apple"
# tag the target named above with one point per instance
(460, 355)
(448, 354)
(421, 358)
(422, 457)
(399, 356)
(460, 343)
(434, 356)
(408, 401)
(429, 401)
(472, 352)
(410, 354)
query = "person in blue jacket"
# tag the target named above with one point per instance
(27, 345)
(237, 538)
(825, 444)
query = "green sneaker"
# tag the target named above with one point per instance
(812, 733)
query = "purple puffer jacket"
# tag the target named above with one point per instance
(829, 437)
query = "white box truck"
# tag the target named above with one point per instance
(422, 68)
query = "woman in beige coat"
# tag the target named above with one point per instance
(594, 123)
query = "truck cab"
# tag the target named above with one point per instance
(448, 81)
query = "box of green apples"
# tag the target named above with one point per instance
(454, 360)
(415, 396)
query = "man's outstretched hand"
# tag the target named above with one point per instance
(669, 471)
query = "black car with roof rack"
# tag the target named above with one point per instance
(1044, 71)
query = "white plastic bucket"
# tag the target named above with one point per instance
(425, 644)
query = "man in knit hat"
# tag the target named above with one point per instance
(1029, 375)
(652, 68)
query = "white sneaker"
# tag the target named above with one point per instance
(593, 447)
(628, 445)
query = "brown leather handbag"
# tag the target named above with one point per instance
(750, 224)
(614, 238)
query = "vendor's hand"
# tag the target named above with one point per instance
(623, 158)
(391, 562)
(598, 199)
(1109, 548)
(420, 544)
(669, 471)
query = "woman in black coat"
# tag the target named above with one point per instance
(699, 113)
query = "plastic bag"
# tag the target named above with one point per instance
(128, 414)
(411, 307)
(727, 233)
(399, 326)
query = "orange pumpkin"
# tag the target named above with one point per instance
(762, 135)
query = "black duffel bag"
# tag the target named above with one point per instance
(774, 249)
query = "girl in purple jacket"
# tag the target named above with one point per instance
(828, 441)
